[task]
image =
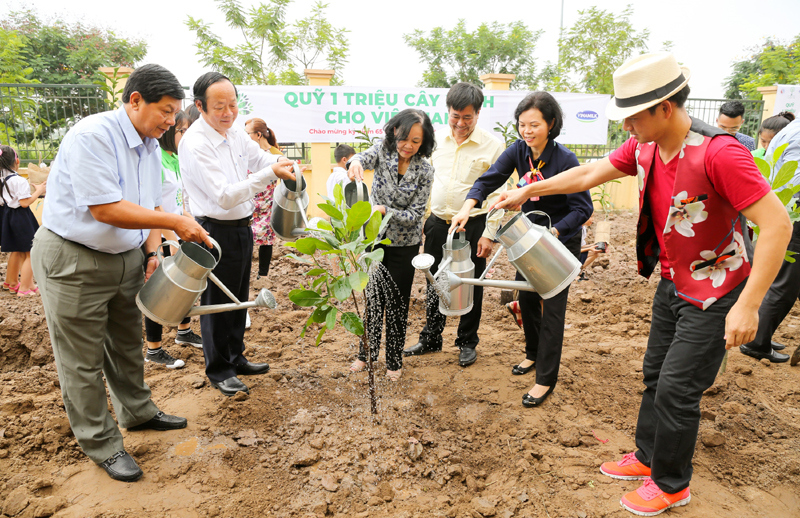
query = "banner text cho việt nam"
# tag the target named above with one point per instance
(333, 113)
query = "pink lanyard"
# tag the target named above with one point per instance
(534, 175)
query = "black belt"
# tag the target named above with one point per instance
(479, 217)
(244, 222)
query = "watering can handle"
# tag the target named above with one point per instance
(449, 242)
(160, 249)
(298, 180)
(489, 215)
(539, 212)
(360, 189)
(217, 248)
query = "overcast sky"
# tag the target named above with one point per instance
(708, 35)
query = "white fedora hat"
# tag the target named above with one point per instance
(645, 81)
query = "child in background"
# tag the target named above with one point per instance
(17, 223)
(342, 155)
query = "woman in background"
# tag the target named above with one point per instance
(770, 127)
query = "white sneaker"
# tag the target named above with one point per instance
(247, 321)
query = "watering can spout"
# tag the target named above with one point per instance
(265, 299)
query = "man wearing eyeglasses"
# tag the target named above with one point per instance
(730, 120)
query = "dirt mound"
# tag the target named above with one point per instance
(449, 441)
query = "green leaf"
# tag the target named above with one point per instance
(341, 289)
(352, 323)
(763, 166)
(386, 241)
(358, 214)
(330, 319)
(384, 223)
(319, 335)
(319, 315)
(358, 280)
(318, 281)
(296, 258)
(785, 196)
(324, 225)
(778, 152)
(331, 211)
(305, 298)
(373, 225)
(306, 245)
(338, 195)
(375, 255)
(315, 271)
(785, 174)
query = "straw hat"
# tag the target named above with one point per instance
(645, 81)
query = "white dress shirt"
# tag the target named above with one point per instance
(214, 171)
(457, 168)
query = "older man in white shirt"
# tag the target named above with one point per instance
(463, 153)
(215, 160)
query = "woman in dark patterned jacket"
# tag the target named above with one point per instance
(400, 189)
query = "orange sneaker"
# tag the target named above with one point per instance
(629, 468)
(649, 500)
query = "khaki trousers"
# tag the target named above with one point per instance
(96, 330)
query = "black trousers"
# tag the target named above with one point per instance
(264, 259)
(780, 297)
(223, 333)
(543, 324)
(435, 237)
(684, 353)
(390, 300)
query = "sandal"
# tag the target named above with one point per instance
(513, 308)
(358, 366)
(394, 375)
(12, 289)
(31, 293)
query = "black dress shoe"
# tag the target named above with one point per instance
(777, 346)
(421, 348)
(121, 466)
(250, 368)
(529, 401)
(467, 356)
(519, 371)
(161, 422)
(772, 355)
(230, 386)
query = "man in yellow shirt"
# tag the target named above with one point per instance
(463, 153)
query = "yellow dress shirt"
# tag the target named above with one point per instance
(457, 168)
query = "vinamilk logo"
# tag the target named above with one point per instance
(587, 116)
(245, 106)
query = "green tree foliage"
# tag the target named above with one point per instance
(61, 52)
(273, 51)
(459, 55)
(771, 63)
(596, 45)
(13, 67)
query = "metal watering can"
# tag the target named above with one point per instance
(456, 260)
(171, 292)
(545, 263)
(289, 207)
(354, 191)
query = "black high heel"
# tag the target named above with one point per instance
(529, 401)
(519, 371)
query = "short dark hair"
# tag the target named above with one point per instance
(167, 140)
(776, 122)
(204, 82)
(732, 109)
(548, 106)
(152, 82)
(679, 98)
(462, 95)
(343, 151)
(402, 124)
(192, 113)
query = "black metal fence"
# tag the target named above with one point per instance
(35, 117)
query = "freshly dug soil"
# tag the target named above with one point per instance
(448, 441)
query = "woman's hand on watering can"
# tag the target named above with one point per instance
(189, 230)
(284, 169)
(511, 200)
(355, 171)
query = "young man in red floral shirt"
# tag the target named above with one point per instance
(696, 186)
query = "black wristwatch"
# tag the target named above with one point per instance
(147, 256)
